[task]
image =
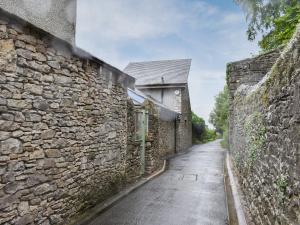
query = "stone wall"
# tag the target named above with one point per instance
(167, 137)
(63, 127)
(159, 140)
(248, 72)
(264, 134)
(133, 154)
(184, 125)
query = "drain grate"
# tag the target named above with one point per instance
(189, 177)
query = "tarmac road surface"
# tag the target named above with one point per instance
(190, 192)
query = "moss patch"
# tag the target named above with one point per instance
(255, 132)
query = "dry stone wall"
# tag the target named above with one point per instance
(63, 124)
(133, 155)
(265, 134)
(184, 125)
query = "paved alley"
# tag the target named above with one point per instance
(190, 192)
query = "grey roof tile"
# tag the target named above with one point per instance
(160, 72)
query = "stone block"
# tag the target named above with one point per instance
(33, 117)
(19, 117)
(39, 67)
(19, 104)
(11, 145)
(24, 53)
(53, 153)
(27, 38)
(54, 64)
(3, 28)
(4, 135)
(25, 220)
(36, 179)
(38, 154)
(34, 88)
(47, 78)
(39, 57)
(64, 80)
(112, 134)
(48, 134)
(43, 189)
(23, 208)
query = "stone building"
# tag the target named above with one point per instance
(166, 82)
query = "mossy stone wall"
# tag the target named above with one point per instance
(265, 134)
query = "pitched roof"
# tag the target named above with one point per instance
(160, 72)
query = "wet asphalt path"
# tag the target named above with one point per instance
(190, 192)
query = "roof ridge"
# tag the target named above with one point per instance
(163, 60)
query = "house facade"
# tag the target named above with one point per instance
(166, 82)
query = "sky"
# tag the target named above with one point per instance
(210, 32)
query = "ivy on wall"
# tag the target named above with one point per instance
(255, 132)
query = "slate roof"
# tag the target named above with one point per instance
(160, 72)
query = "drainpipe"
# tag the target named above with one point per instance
(175, 138)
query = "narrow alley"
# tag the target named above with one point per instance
(190, 192)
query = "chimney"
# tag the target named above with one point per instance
(57, 17)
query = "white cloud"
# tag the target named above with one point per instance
(131, 19)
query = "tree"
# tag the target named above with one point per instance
(201, 133)
(276, 20)
(219, 115)
(284, 28)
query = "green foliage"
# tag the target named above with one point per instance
(197, 120)
(255, 137)
(275, 19)
(284, 28)
(281, 185)
(219, 115)
(201, 133)
(224, 142)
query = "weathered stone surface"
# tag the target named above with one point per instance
(23, 208)
(264, 136)
(47, 78)
(41, 105)
(27, 38)
(24, 53)
(53, 153)
(4, 135)
(38, 154)
(20, 44)
(33, 117)
(39, 57)
(54, 64)
(60, 79)
(25, 220)
(11, 145)
(34, 88)
(51, 108)
(2, 28)
(43, 189)
(36, 179)
(48, 134)
(20, 104)
(19, 117)
(17, 133)
(39, 67)
(3, 101)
